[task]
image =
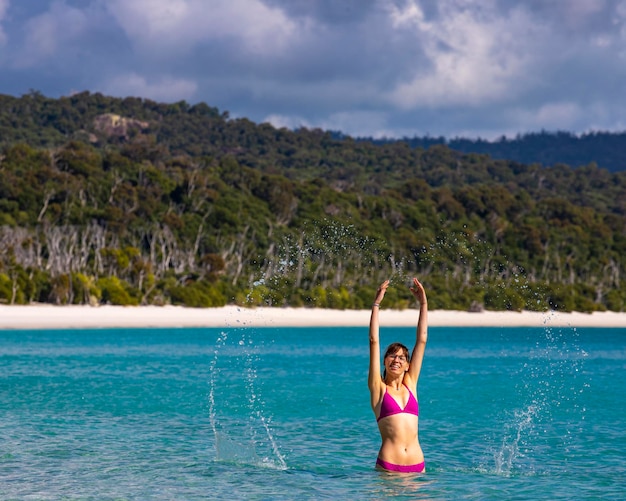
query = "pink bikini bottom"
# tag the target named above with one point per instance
(401, 468)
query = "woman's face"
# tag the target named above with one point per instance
(396, 362)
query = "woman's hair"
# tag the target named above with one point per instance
(393, 348)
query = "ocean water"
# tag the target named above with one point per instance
(283, 413)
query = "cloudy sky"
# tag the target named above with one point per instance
(472, 68)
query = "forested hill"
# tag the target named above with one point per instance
(129, 201)
(606, 149)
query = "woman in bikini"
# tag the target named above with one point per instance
(394, 393)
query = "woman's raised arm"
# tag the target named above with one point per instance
(374, 380)
(421, 335)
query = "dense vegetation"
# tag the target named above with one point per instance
(128, 201)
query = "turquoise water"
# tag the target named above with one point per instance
(277, 413)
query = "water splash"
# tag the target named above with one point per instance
(551, 383)
(245, 435)
(256, 408)
(514, 438)
(213, 376)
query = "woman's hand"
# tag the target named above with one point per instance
(380, 292)
(418, 291)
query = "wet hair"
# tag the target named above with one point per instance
(392, 349)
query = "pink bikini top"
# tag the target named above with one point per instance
(389, 406)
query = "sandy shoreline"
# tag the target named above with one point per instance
(60, 317)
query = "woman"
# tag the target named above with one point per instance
(394, 393)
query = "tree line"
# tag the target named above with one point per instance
(192, 207)
(605, 149)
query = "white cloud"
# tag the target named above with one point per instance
(410, 13)
(577, 12)
(358, 123)
(166, 88)
(371, 67)
(474, 55)
(569, 115)
(619, 20)
(289, 122)
(4, 7)
(46, 33)
(559, 115)
(175, 26)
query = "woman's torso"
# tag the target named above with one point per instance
(398, 426)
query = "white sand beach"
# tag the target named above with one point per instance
(62, 317)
